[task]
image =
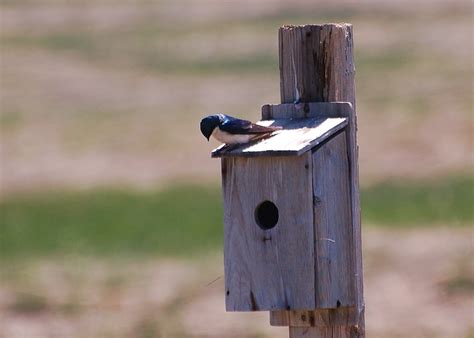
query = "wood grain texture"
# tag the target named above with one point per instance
(328, 331)
(322, 317)
(297, 136)
(316, 65)
(268, 269)
(307, 110)
(334, 270)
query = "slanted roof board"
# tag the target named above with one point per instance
(296, 137)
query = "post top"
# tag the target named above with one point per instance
(297, 136)
(332, 24)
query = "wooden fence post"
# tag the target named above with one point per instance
(316, 65)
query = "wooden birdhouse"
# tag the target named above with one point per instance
(287, 211)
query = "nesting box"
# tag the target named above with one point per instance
(287, 212)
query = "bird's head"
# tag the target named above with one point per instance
(208, 124)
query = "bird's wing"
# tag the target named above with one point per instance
(234, 125)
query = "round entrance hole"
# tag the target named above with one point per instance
(266, 215)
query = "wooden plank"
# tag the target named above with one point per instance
(328, 331)
(296, 137)
(316, 65)
(318, 110)
(323, 317)
(334, 270)
(306, 110)
(268, 269)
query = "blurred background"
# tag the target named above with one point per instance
(111, 222)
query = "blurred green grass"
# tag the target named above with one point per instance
(447, 201)
(179, 220)
(185, 220)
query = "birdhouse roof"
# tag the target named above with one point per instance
(295, 138)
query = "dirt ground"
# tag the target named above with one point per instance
(418, 283)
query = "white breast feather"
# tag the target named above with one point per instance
(227, 138)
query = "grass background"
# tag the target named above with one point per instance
(187, 219)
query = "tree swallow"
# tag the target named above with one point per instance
(231, 130)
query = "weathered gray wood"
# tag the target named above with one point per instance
(343, 316)
(334, 270)
(296, 137)
(328, 331)
(306, 110)
(318, 110)
(254, 281)
(316, 65)
(268, 269)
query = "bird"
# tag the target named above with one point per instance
(232, 130)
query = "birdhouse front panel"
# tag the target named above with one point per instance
(269, 233)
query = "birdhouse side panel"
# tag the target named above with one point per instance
(335, 277)
(268, 266)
